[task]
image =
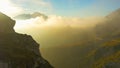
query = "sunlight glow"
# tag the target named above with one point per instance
(8, 8)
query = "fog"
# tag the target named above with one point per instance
(57, 30)
(61, 37)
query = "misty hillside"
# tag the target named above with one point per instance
(107, 55)
(102, 51)
(110, 27)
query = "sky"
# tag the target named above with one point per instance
(67, 8)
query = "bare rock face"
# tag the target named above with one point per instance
(18, 50)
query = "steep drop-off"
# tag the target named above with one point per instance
(18, 50)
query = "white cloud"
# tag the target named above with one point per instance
(9, 8)
(56, 29)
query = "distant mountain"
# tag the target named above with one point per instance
(110, 26)
(29, 16)
(108, 54)
(115, 14)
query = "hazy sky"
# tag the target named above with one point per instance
(69, 8)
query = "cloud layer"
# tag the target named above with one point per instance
(57, 21)
(57, 30)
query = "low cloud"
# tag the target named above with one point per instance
(57, 21)
(57, 30)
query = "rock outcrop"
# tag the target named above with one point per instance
(18, 50)
(6, 24)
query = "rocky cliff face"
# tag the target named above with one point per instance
(6, 24)
(18, 50)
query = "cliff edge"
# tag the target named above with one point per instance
(18, 50)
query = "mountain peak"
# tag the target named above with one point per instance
(6, 24)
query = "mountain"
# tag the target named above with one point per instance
(29, 16)
(18, 50)
(114, 14)
(108, 54)
(6, 24)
